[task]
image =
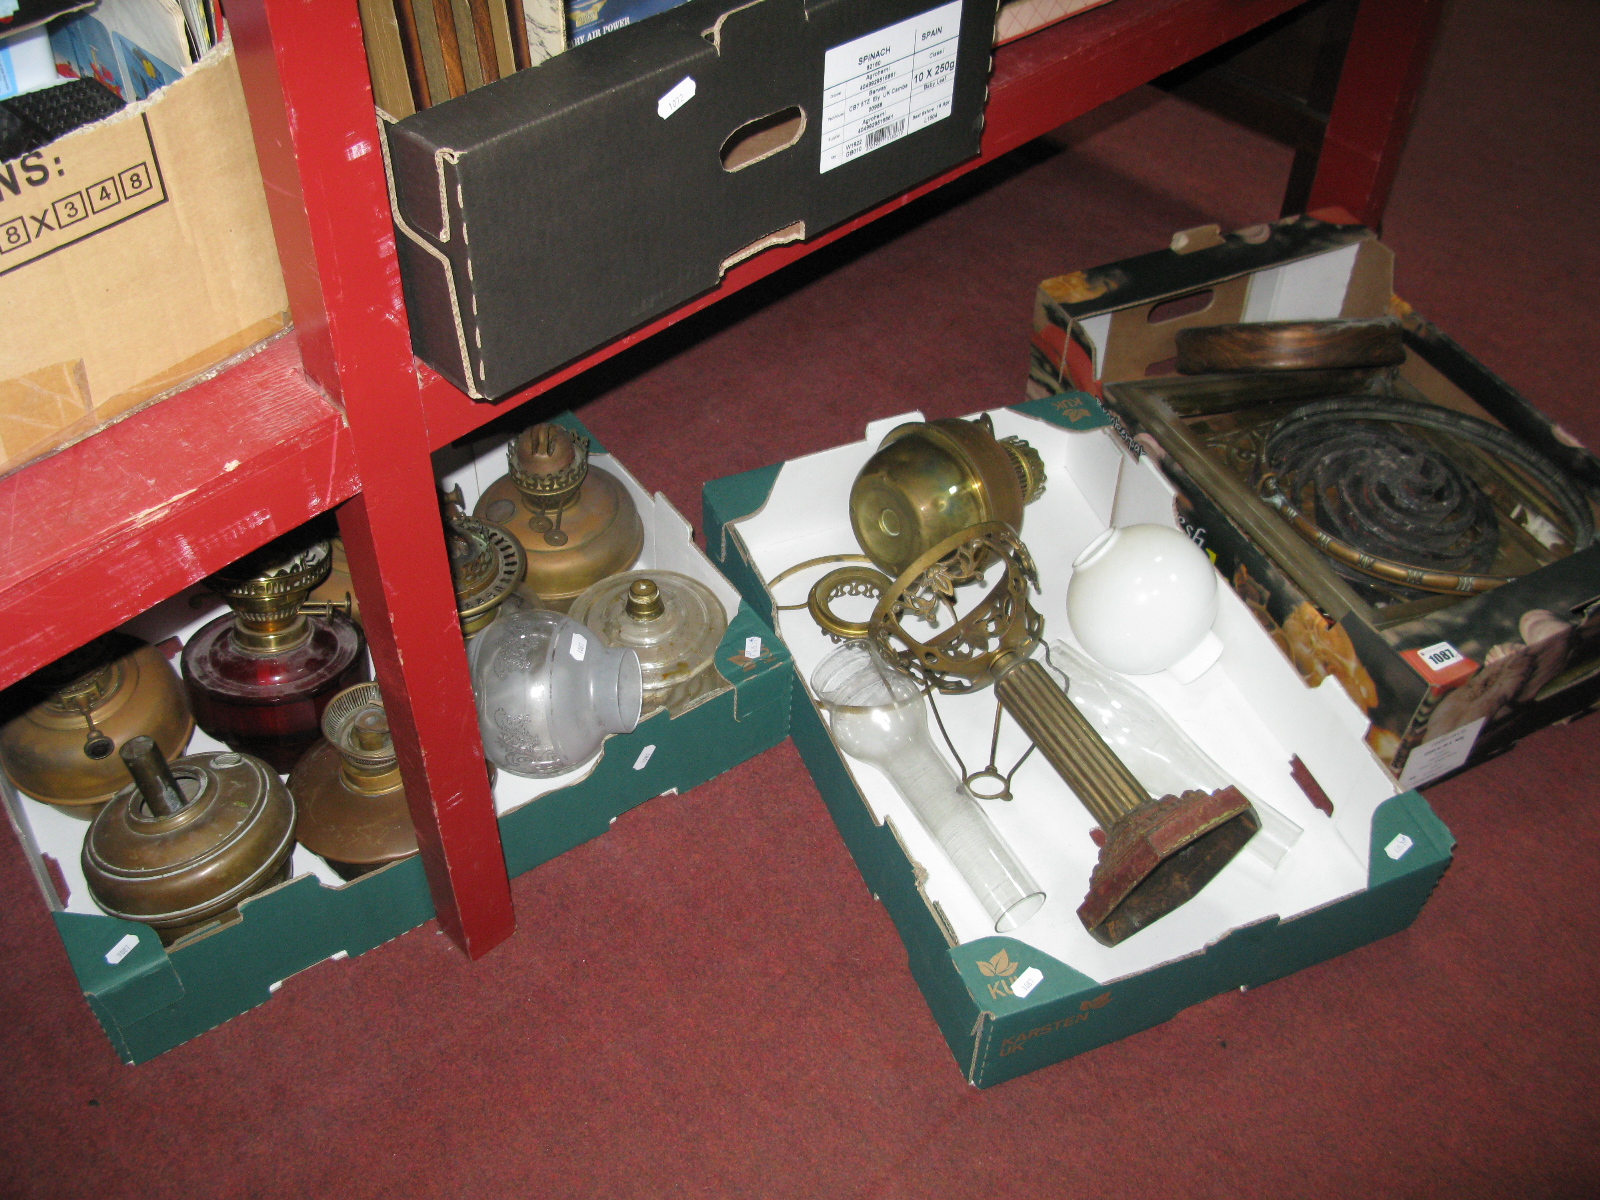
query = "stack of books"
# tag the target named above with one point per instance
(423, 52)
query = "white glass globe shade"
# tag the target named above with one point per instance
(1142, 599)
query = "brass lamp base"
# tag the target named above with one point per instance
(1159, 856)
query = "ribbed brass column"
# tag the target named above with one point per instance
(1069, 743)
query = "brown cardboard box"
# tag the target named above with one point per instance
(135, 254)
(1443, 681)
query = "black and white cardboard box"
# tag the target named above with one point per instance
(557, 208)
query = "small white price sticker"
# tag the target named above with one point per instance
(681, 93)
(752, 648)
(124, 947)
(1440, 655)
(643, 760)
(1397, 848)
(1026, 982)
(580, 646)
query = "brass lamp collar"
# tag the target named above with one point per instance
(266, 597)
(552, 491)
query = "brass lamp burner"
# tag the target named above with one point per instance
(486, 565)
(1158, 853)
(548, 469)
(267, 592)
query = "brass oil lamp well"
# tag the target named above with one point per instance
(180, 846)
(674, 624)
(260, 677)
(62, 748)
(347, 789)
(576, 521)
(929, 480)
(1158, 852)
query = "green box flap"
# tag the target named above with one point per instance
(137, 985)
(1074, 410)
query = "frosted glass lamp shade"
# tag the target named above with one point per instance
(548, 691)
(1142, 599)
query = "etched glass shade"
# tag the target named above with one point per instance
(548, 691)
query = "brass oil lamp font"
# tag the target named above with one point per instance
(182, 845)
(61, 748)
(575, 520)
(348, 791)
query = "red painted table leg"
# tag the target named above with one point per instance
(317, 138)
(1383, 72)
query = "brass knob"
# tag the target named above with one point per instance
(644, 600)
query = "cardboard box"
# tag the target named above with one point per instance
(150, 998)
(135, 254)
(560, 207)
(1445, 681)
(589, 19)
(1311, 885)
(1018, 18)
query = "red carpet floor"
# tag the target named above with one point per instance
(707, 1002)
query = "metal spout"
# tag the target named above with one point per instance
(153, 777)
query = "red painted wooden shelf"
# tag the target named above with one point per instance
(100, 532)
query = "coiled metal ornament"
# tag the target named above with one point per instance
(1391, 505)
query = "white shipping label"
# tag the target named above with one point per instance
(1440, 756)
(752, 648)
(1440, 655)
(879, 88)
(1026, 982)
(124, 947)
(681, 93)
(580, 646)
